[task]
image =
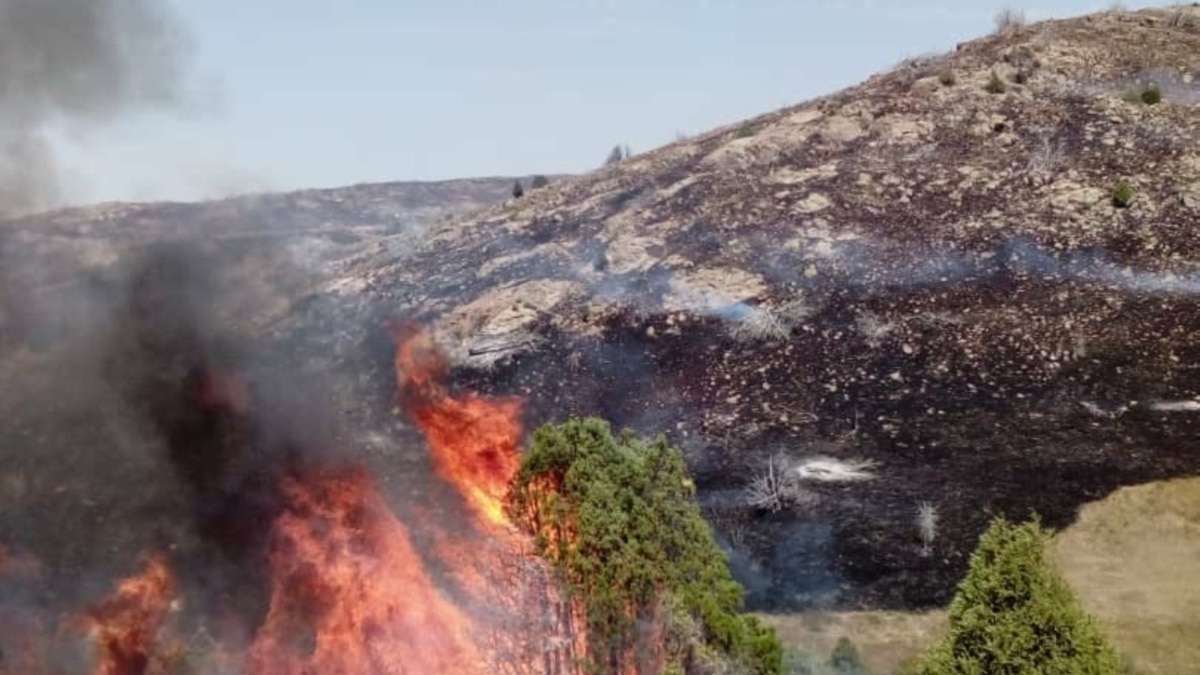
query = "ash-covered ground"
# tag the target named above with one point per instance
(967, 398)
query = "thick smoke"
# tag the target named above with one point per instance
(77, 63)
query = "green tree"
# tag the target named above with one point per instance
(617, 518)
(618, 154)
(539, 181)
(1015, 615)
(518, 190)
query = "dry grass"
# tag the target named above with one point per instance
(1133, 558)
(884, 639)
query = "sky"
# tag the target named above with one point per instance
(315, 93)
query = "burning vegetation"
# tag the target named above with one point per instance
(473, 440)
(318, 574)
(617, 519)
(127, 627)
(349, 591)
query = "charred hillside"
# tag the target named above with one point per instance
(122, 329)
(58, 267)
(971, 282)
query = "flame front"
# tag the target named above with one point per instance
(348, 592)
(350, 595)
(474, 440)
(127, 627)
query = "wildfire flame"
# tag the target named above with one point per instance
(474, 441)
(126, 628)
(350, 595)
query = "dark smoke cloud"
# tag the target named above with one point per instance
(78, 63)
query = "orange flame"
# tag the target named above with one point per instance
(126, 627)
(474, 440)
(350, 595)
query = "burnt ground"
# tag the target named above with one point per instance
(968, 394)
(976, 433)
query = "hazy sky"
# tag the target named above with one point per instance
(308, 93)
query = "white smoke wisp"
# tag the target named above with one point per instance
(1175, 406)
(1109, 412)
(927, 526)
(830, 470)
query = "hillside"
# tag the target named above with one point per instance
(915, 290)
(285, 241)
(918, 289)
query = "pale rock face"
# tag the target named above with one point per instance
(841, 129)
(813, 203)
(709, 289)
(502, 316)
(632, 254)
(926, 85)
(792, 176)
(1079, 198)
(902, 128)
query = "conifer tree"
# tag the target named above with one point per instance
(1014, 614)
(618, 520)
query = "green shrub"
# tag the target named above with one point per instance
(947, 78)
(995, 85)
(746, 130)
(1015, 615)
(1148, 95)
(1122, 196)
(845, 659)
(539, 181)
(618, 520)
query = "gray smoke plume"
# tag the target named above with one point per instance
(77, 63)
